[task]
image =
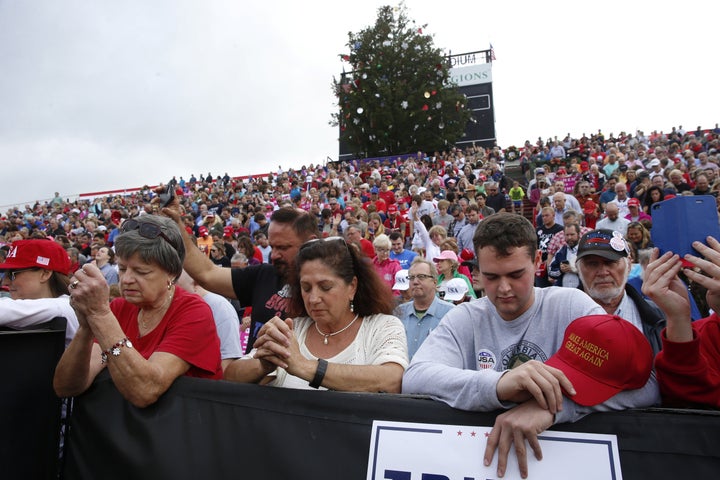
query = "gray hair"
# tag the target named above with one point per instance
(239, 257)
(382, 241)
(168, 255)
(570, 213)
(419, 259)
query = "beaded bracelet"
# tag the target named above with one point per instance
(115, 349)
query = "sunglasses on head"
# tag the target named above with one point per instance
(146, 230)
(328, 239)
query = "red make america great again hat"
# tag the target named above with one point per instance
(603, 355)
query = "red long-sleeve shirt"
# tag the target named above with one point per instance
(689, 373)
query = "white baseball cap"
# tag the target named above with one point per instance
(455, 289)
(401, 280)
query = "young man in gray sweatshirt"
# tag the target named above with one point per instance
(489, 354)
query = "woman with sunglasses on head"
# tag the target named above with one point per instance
(153, 334)
(35, 273)
(217, 255)
(345, 337)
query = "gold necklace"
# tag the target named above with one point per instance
(328, 335)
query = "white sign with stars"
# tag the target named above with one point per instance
(419, 451)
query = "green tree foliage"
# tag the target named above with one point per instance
(398, 97)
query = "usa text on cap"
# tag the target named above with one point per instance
(455, 289)
(37, 253)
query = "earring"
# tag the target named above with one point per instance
(170, 284)
(352, 306)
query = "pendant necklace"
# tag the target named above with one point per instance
(328, 335)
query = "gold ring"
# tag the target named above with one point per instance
(74, 284)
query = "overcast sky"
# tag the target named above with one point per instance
(101, 95)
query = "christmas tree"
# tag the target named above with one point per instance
(397, 97)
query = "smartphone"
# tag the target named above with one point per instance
(680, 221)
(167, 196)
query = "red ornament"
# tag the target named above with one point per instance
(434, 92)
(346, 58)
(424, 108)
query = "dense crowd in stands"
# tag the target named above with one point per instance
(651, 167)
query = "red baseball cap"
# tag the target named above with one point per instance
(203, 231)
(392, 209)
(603, 355)
(228, 231)
(37, 253)
(633, 202)
(584, 166)
(467, 254)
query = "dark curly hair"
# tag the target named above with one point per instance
(347, 262)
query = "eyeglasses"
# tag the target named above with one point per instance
(420, 276)
(146, 230)
(11, 274)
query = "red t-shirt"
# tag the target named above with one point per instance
(187, 330)
(380, 205)
(257, 254)
(388, 197)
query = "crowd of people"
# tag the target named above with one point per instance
(372, 275)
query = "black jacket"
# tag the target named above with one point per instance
(653, 319)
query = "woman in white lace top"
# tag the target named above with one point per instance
(344, 337)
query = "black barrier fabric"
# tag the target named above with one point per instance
(201, 429)
(29, 409)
